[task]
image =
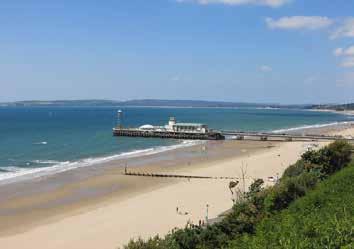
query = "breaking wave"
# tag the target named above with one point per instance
(305, 127)
(12, 173)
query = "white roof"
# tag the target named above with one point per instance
(147, 126)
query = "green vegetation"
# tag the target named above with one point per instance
(324, 218)
(277, 217)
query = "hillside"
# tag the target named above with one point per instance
(324, 218)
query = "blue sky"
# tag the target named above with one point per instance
(284, 51)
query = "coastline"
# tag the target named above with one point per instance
(344, 112)
(114, 208)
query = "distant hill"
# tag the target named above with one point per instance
(91, 102)
(146, 102)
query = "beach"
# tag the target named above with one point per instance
(345, 112)
(105, 209)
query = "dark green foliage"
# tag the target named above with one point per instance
(255, 187)
(152, 243)
(295, 169)
(288, 190)
(338, 155)
(187, 238)
(321, 219)
(256, 194)
(328, 159)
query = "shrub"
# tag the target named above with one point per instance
(295, 169)
(328, 159)
(338, 155)
(255, 187)
(288, 190)
(152, 243)
(186, 238)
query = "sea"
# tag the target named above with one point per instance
(37, 141)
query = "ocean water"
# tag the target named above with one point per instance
(42, 140)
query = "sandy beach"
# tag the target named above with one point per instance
(106, 209)
(345, 112)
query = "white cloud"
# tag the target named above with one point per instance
(338, 52)
(299, 22)
(265, 68)
(270, 3)
(349, 51)
(348, 54)
(345, 30)
(348, 62)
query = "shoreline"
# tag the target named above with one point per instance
(106, 182)
(115, 208)
(95, 161)
(344, 112)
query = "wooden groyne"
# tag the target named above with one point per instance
(178, 176)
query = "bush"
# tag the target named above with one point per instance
(255, 187)
(329, 159)
(152, 243)
(288, 190)
(338, 155)
(295, 169)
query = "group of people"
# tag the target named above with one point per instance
(201, 223)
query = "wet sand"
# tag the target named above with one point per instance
(99, 207)
(33, 202)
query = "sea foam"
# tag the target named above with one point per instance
(306, 127)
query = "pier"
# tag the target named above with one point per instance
(220, 135)
(195, 131)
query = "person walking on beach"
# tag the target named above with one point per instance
(277, 178)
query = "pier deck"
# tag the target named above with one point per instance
(131, 132)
